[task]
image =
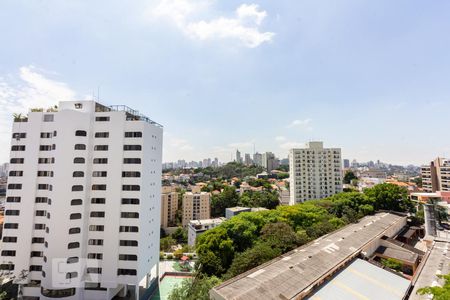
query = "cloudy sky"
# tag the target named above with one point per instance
(371, 77)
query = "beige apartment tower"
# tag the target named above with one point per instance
(436, 176)
(169, 206)
(196, 206)
(315, 172)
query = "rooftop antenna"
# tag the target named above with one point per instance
(98, 93)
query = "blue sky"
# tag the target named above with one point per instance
(371, 77)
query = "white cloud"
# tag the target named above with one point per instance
(303, 124)
(289, 145)
(30, 87)
(280, 138)
(244, 26)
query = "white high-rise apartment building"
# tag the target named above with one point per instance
(315, 172)
(83, 202)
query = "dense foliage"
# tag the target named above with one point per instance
(349, 176)
(194, 289)
(438, 293)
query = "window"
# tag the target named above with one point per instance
(11, 226)
(78, 105)
(99, 187)
(131, 174)
(41, 213)
(100, 160)
(42, 186)
(14, 186)
(73, 260)
(46, 135)
(45, 147)
(129, 187)
(95, 256)
(97, 214)
(36, 254)
(129, 272)
(41, 200)
(15, 173)
(13, 199)
(73, 245)
(8, 253)
(78, 174)
(133, 215)
(128, 243)
(12, 212)
(130, 201)
(98, 200)
(19, 135)
(71, 275)
(18, 148)
(75, 216)
(78, 160)
(74, 202)
(101, 147)
(133, 134)
(46, 160)
(96, 228)
(102, 134)
(132, 147)
(94, 270)
(131, 160)
(101, 119)
(9, 267)
(80, 133)
(35, 268)
(80, 147)
(128, 257)
(37, 240)
(77, 188)
(45, 173)
(16, 161)
(128, 229)
(74, 230)
(39, 226)
(10, 239)
(99, 174)
(49, 118)
(95, 242)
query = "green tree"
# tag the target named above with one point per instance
(180, 235)
(392, 263)
(215, 251)
(349, 176)
(389, 196)
(280, 235)
(251, 258)
(194, 289)
(227, 198)
(438, 293)
(166, 243)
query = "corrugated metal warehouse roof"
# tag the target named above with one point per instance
(294, 273)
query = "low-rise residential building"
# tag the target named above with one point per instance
(234, 211)
(169, 206)
(196, 206)
(197, 227)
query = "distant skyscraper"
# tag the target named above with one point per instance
(315, 172)
(436, 176)
(257, 159)
(346, 163)
(269, 162)
(238, 157)
(83, 202)
(248, 159)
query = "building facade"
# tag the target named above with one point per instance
(169, 206)
(197, 227)
(83, 201)
(196, 206)
(436, 176)
(315, 172)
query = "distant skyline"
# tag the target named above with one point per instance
(370, 77)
